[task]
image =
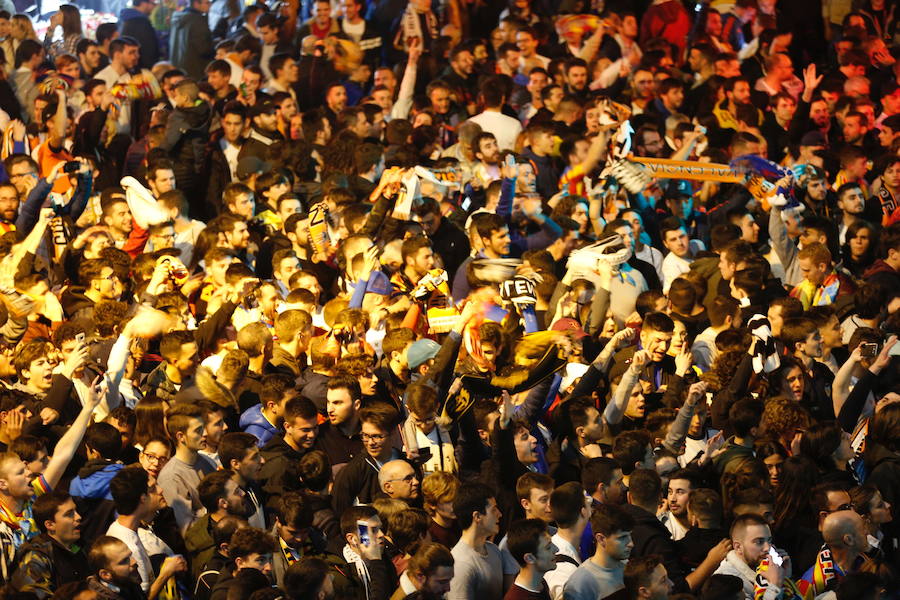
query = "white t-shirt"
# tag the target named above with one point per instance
(505, 129)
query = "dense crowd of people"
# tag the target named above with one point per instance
(378, 300)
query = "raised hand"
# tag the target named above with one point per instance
(640, 359)
(884, 357)
(695, 392)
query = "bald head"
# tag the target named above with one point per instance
(398, 480)
(845, 529)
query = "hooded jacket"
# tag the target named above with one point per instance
(90, 490)
(187, 132)
(253, 421)
(135, 24)
(75, 304)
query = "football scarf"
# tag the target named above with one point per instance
(765, 356)
(789, 589)
(815, 581)
(890, 210)
(810, 295)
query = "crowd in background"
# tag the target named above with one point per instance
(378, 300)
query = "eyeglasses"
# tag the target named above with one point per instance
(159, 460)
(373, 437)
(408, 479)
(20, 175)
(844, 506)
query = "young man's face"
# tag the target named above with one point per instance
(250, 465)
(852, 201)
(617, 546)
(194, 437)
(375, 439)
(526, 446)
(812, 346)
(785, 109)
(17, 478)
(490, 520)
(754, 545)
(215, 427)
(340, 407)
(437, 585)
(676, 241)
(813, 272)
(302, 432)
(489, 151)
(537, 506)
(499, 241)
(238, 237)
(679, 492)
(119, 217)
(40, 373)
(656, 342)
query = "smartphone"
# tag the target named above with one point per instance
(72, 166)
(774, 557)
(79, 338)
(868, 350)
(362, 527)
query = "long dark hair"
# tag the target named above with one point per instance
(819, 442)
(792, 496)
(857, 267)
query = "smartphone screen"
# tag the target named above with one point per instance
(362, 527)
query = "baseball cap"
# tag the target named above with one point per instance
(249, 165)
(262, 108)
(421, 351)
(569, 325)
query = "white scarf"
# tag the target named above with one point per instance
(353, 558)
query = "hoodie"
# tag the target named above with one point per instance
(187, 132)
(93, 479)
(90, 490)
(253, 421)
(75, 304)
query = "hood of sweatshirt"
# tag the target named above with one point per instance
(93, 479)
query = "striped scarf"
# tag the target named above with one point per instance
(811, 295)
(815, 580)
(761, 584)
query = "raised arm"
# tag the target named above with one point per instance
(615, 410)
(69, 442)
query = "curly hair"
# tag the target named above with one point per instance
(782, 417)
(723, 370)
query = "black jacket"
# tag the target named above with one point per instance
(650, 536)
(136, 25)
(216, 175)
(279, 474)
(187, 132)
(358, 480)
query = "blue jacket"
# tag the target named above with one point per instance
(253, 421)
(93, 482)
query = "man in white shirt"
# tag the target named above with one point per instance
(136, 503)
(505, 129)
(681, 251)
(571, 510)
(724, 313)
(526, 40)
(124, 54)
